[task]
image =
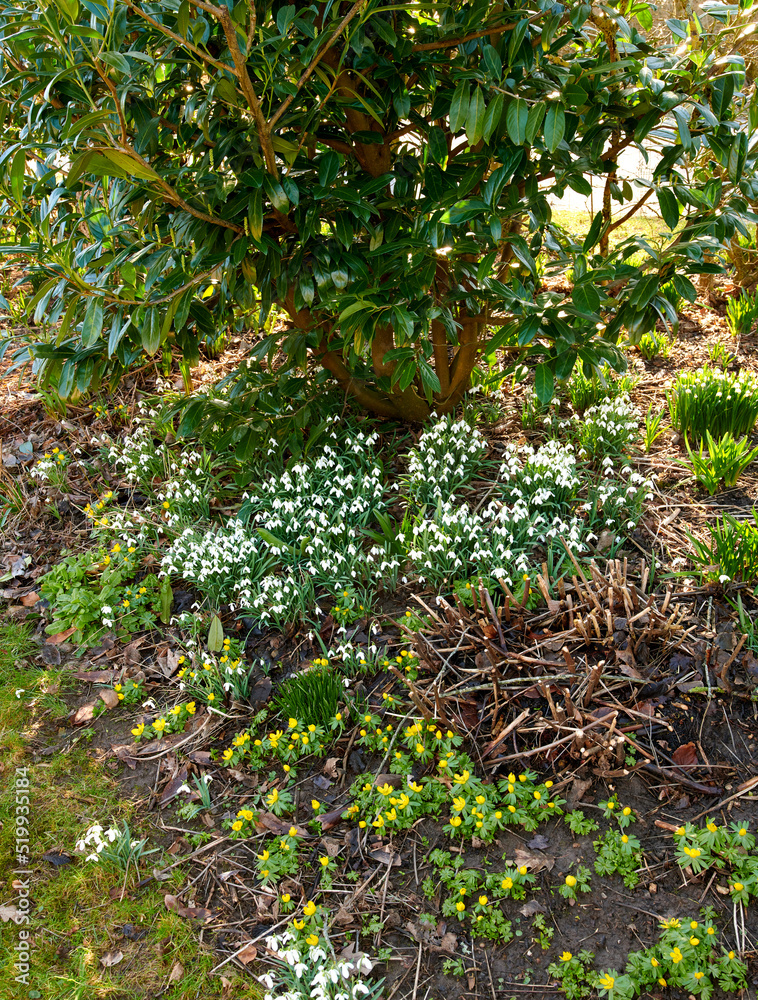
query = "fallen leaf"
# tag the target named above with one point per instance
(53, 640)
(388, 857)
(330, 768)
(57, 858)
(177, 971)
(343, 918)
(10, 913)
(267, 821)
(190, 912)
(332, 846)
(539, 842)
(534, 862)
(627, 663)
(109, 698)
(94, 676)
(111, 958)
(84, 714)
(173, 786)
(248, 954)
(29, 600)
(685, 755)
(531, 907)
(576, 793)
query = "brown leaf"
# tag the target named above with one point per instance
(330, 768)
(534, 862)
(330, 819)
(685, 755)
(10, 913)
(173, 786)
(94, 676)
(385, 857)
(124, 753)
(331, 846)
(531, 907)
(111, 958)
(343, 918)
(53, 640)
(108, 697)
(177, 971)
(627, 663)
(29, 600)
(84, 714)
(190, 912)
(267, 821)
(248, 954)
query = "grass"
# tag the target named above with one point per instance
(74, 920)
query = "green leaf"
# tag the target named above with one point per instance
(438, 146)
(255, 213)
(493, 116)
(555, 126)
(275, 191)
(593, 234)
(215, 635)
(586, 298)
(328, 168)
(151, 331)
(92, 325)
(737, 156)
(644, 290)
(516, 118)
(68, 7)
(18, 168)
(464, 211)
(459, 107)
(167, 599)
(183, 18)
(475, 119)
(669, 207)
(543, 383)
(534, 120)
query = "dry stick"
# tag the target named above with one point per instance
(239, 951)
(747, 787)
(418, 971)
(378, 936)
(556, 743)
(506, 732)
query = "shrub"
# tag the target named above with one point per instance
(715, 401)
(380, 176)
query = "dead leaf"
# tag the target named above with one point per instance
(267, 821)
(10, 913)
(343, 918)
(685, 755)
(330, 819)
(111, 958)
(330, 768)
(385, 857)
(332, 846)
(534, 862)
(84, 714)
(576, 793)
(109, 698)
(173, 786)
(248, 954)
(94, 676)
(53, 640)
(539, 842)
(124, 753)
(190, 912)
(29, 600)
(177, 971)
(627, 663)
(531, 907)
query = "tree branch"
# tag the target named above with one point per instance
(181, 41)
(305, 76)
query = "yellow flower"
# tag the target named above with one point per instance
(523, 870)
(626, 811)
(455, 821)
(480, 799)
(378, 823)
(228, 753)
(121, 697)
(237, 826)
(694, 941)
(324, 862)
(711, 826)
(286, 897)
(117, 687)
(570, 881)
(116, 548)
(211, 697)
(264, 856)
(698, 975)
(273, 798)
(419, 748)
(191, 707)
(607, 981)
(299, 924)
(460, 906)
(654, 962)
(675, 956)
(459, 803)
(315, 804)
(292, 723)
(566, 956)
(483, 900)
(731, 954)
(309, 909)
(312, 940)
(138, 729)
(507, 883)
(662, 982)
(293, 831)
(159, 725)
(166, 505)
(738, 886)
